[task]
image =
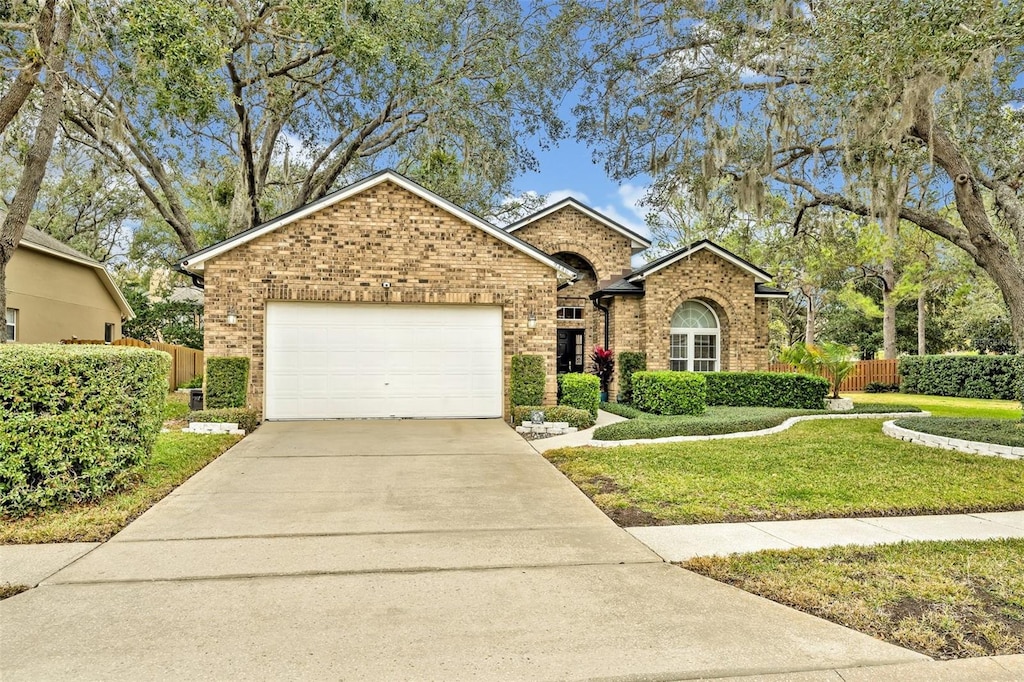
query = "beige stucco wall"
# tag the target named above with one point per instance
(344, 252)
(57, 299)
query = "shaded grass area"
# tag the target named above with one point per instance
(715, 420)
(942, 406)
(943, 599)
(998, 431)
(176, 457)
(816, 469)
(176, 407)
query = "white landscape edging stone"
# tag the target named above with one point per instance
(970, 447)
(749, 434)
(213, 428)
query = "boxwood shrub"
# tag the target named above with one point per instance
(670, 392)
(227, 382)
(582, 391)
(526, 384)
(246, 418)
(629, 363)
(964, 376)
(767, 389)
(75, 421)
(581, 419)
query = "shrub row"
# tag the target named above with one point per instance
(630, 362)
(582, 391)
(964, 376)
(75, 421)
(581, 419)
(997, 431)
(227, 382)
(670, 392)
(526, 383)
(766, 389)
(246, 418)
(623, 410)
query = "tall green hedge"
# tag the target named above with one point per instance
(767, 389)
(670, 392)
(964, 376)
(227, 382)
(629, 363)
(75, 421)
(582, 391)
(526, 385)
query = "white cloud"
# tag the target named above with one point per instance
(627, 219)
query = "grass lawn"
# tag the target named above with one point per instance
(941, 406)
(944, 599)
(999, 431)
(714, 420)
(813, 470)
(176, 407)
(176, 457)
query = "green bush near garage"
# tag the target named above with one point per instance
(581, 419)
(526, 383)
(227, 382)
(582, 391)
(630, 362)
(246, 418)
(988, 377)
(75, 421)
(666, 392)
(766, 389)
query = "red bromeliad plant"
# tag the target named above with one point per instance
(603, 365)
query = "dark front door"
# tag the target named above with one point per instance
(570, 351)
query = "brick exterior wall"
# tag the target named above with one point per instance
(343, 253)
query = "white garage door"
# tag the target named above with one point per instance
(331, 361)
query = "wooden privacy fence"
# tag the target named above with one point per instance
(868, 371)
(186, 363)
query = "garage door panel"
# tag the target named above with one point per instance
(336, 361)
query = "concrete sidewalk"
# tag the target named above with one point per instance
(679, 543)
(397, 550)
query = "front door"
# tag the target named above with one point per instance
(570, 351)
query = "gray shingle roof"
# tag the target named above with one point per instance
(40, 238)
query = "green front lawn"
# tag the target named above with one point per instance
(813, 470)
(176, 457)
(942, 406)
(944, 599)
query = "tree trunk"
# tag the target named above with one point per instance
(809, 326)
(922, 342)
(888, 310)
(13, 227)
(895, 195)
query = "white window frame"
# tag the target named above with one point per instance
(559, 314)
(11, 320)
(687, 361)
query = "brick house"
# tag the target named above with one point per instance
(385, 300)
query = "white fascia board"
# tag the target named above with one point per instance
(636, 241)
(104, 276)
(771, 295)
(196, 264)
(759, 275)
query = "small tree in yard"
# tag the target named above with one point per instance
(603, 365)
(830, 360)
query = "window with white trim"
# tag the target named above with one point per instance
(12, 324)
(569, 313)
(694, 338)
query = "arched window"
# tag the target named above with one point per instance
(694, 338)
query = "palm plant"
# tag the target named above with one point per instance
(830, 360)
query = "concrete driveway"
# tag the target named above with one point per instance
(397, 550)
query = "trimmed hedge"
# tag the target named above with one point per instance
(964, 376)
(246, 419)
(623, 410)
(767, 389)
(670, 392)
(227, 382)
(630, 362)
(997, 431)
(75, 421)
(526, 384)
(581, 419)
(582, 391)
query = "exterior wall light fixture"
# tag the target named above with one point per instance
(232, 316)
(531, 321)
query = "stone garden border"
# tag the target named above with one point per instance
(763, 432)
(971, 447)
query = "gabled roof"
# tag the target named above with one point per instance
(620, 287)
(765, 291)
(637, 242)
(37, 240)
(654, 266)
(195, 263)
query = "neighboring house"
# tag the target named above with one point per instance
(385, 300)
(55, 292)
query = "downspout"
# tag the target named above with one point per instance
(605, 310)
